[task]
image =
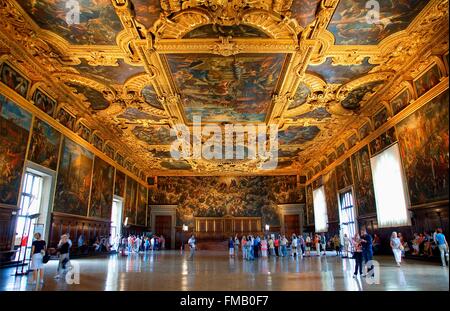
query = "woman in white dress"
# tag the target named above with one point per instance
(396, 246)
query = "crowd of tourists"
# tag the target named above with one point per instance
(137, 243)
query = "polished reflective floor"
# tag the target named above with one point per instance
(210, 270)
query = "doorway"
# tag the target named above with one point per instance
(291, 225)
(163, 226)
(116, 217)
(347, 214)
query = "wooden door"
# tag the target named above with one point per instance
(163, 226)
(291, 224)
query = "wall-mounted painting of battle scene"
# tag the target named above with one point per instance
(119, 185)
(98, 24)
(364, 130)
(427, 80)
(352, 141)
(226, 89)
(344, 174)
(130, 200)
(15, 126)
(109, 151)
(424, 142)
(66, 118)
(383, 141)
(331, 157)
(97, 141)
(362, 176)
(380, 118)
(119, 159)
(45, 143)
(257, 196)
(141, 205)
(400, 101)
(84, 132)
(330, 187)
(14, 80)
(74, 179)
(309, 205)
(44, 102)
(102, 190)
(340, 150)
(350, 27)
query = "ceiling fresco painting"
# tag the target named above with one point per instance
(98, 25)
(109, 74)
(133, 69)
(226, 89)
(349, 24)
(95, 98)
(214, 31)
(339, 74)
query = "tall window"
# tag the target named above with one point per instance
(390, 194)
(320, 210)
(347, 214)
(30, 202)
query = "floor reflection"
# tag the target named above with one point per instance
(210, 270)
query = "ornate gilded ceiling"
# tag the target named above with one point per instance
(132, 69)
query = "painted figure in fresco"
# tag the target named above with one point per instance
(427, 81)
(43, 102)
(14, 80)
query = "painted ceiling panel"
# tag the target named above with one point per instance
(94, 97)
(226, 89)
(110, 74)
(354, 98)
(301, 96)
(304, 11)
(214, 31)
(338, 74)
(98, 25)
(147, 11)
(154, 135)
(297, 135)
(350, 27)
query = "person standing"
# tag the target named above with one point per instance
(38, 249)
(137, 244)
(264, 248)
(294, 244)
(357, 255)
(256, 246)
(63, 250)
(308, 246)
(277, 246)
(323, 243)
(317, 244)
(163, 242)
(337, 244)
(192, 244)
(283, 243)
(271, 247)
(301, 245)
(236, 246)
(231, 247)
(396, 246)
(442, 244)
(367, 251)
(244, 247)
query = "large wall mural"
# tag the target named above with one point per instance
(141, 205)
(226, 89)
(119, 185)
(15, 126)
(102, 190)
(44, 147)
(98, 24)
(330, 187)
(130, 200)
(220, 196)
(424, 144)
(349, 24)
(309, 205)
(362, 176)
(344, 174)
(74, 179)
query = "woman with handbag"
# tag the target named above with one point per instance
(357, 255)
(397, 248)
(38, 249)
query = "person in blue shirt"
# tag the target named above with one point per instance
(442, 244)
(231, 247)
(367, 249)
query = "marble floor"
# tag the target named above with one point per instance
(211, 270)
